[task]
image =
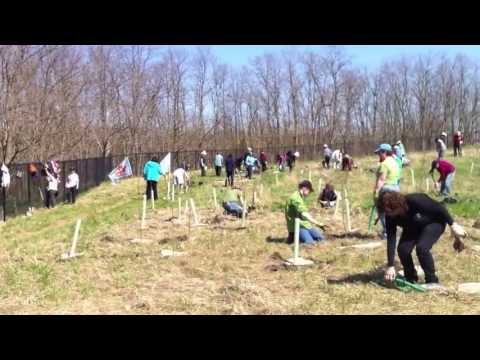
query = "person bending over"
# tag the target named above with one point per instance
(423, 221)
(447, 175)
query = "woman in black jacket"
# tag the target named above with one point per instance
(423, 221)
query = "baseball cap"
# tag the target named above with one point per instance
(203, 152)
(325, 145)
(383, 147)
(444, 133)
(399, 142)
(307, 184)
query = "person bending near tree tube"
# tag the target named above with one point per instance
(447, 174)
(295, 208)
(232, 204)
(387, 178)
(230, 170)
(423, 221)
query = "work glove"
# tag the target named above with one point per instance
(390, 274)
(458, 231)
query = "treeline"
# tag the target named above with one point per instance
(69, 102)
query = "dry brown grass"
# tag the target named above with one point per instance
(226, 269)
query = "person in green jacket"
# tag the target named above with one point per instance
(151, 173)
(295, 207)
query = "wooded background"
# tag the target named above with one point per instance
(71, 102)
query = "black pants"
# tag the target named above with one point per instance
(50, 198)
(423, 240)
(203, 171)
(218, 170)
(71, 195)
(264, 165)
(152, 185)
(326, 162)
(229, 179)
(249, 171)
(290, 164)
(457, 150)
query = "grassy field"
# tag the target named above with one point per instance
(226, 269)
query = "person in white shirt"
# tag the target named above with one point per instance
(52, 189)
(218, 164)
(336, 159)
(180, 178)
(72, 186)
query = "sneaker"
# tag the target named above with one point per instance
(433, 287)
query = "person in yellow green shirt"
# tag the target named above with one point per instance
(295, 207)
(388, 175)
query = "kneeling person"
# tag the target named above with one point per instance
(328, 197)
(295, 208)
(232, 204)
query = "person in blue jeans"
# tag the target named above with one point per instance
(295, 207)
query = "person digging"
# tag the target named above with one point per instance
(423, 220)
(295, 207)
(445, 181)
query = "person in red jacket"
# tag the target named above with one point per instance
(457, 144)
(447, 174)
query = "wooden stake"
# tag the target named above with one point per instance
(215, 203)
(153, 200)
(319, 185)
(347, 210)
(276, 179)
(173, 192)
(168, 189)
(471, 168)
(254, 199)
(427, 185)
(310, 175)
(179, 207)
(296, 239)
(75, 237)
(337, 203)
(194, 210)
(186, 209)
(412, 174)
(144, 211)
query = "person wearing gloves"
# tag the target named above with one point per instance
(151, 173)
(423, 220)
(72, 186)
(388, 174)
(203, 163)
(295, 207)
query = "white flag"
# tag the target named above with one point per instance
(165, 164)
(124, 169)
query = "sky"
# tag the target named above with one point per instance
(370, 56)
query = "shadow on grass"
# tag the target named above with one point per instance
(354, 235)
(374, 275)
(279, 240)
